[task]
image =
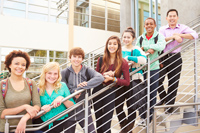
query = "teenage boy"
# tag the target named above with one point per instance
(77, 77)
(178, 32)
(153, 43)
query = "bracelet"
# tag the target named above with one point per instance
(114, 79)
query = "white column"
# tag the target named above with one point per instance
(150, 9)
(106, 16)
(90, 13)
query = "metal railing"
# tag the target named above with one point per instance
(194, 119)
(185, 46)
(93, 96)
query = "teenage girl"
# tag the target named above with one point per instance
(134, 94)
(52, 92)
(111, 66)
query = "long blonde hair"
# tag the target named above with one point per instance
(42, 82)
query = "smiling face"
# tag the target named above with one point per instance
(51, 76)
(149, 25)
(127, 38)
(172, 18)
(76, 60)
(112, 46)
(18, 66)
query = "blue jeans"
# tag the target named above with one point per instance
(153, 92)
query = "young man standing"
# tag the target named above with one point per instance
(178, 32)
(77, 77)
(153, 43)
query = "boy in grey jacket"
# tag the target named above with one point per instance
(77, 77)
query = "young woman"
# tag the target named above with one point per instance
(111, 67)
(134, 92)
(52, 92)
(16, 93)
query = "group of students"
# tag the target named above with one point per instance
(19, 95)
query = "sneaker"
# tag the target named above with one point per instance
(142, 122)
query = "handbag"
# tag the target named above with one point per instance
(137, 94)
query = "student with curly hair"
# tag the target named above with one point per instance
(16, 93)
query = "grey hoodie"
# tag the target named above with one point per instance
(74, 79)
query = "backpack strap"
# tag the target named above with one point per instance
(67, 75)
(141, 39)
(30, 84)
(87, 74)
(100, 63)
(4, 87)
(156, 39)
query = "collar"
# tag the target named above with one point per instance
(177, 26)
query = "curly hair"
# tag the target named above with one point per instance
(15, 53)
(42, 82)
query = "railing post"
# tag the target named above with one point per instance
(148, 94)
(93, 56)
(154, 121)
(195, 81)
(6, 127)
(86, 111)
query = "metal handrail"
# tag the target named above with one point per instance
(97, 93)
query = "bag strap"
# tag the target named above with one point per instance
(100, 63)
(30, 84)
(141, 40)
(4, 87)
(156, 39)
(87, 74)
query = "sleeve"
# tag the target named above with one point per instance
(35, 95)
(95, 79)
(125, 71)
(139, 57)
(161, 31)
(2, 104)
(190, 31)
(67, 92)
(160, 45)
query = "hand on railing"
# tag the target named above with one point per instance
(31, 111)
(46, 108)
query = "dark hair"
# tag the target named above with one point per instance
(151, 19)
(130, 30)
(118, 57)
(171, 10)
(77, 51)
(15, 53)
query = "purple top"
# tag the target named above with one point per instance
(166, 31)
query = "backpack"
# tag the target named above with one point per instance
(4, 86)
(155, 40)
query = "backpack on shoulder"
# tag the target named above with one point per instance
(4, 86)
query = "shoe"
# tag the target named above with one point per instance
(142, 122)
(160, 103)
